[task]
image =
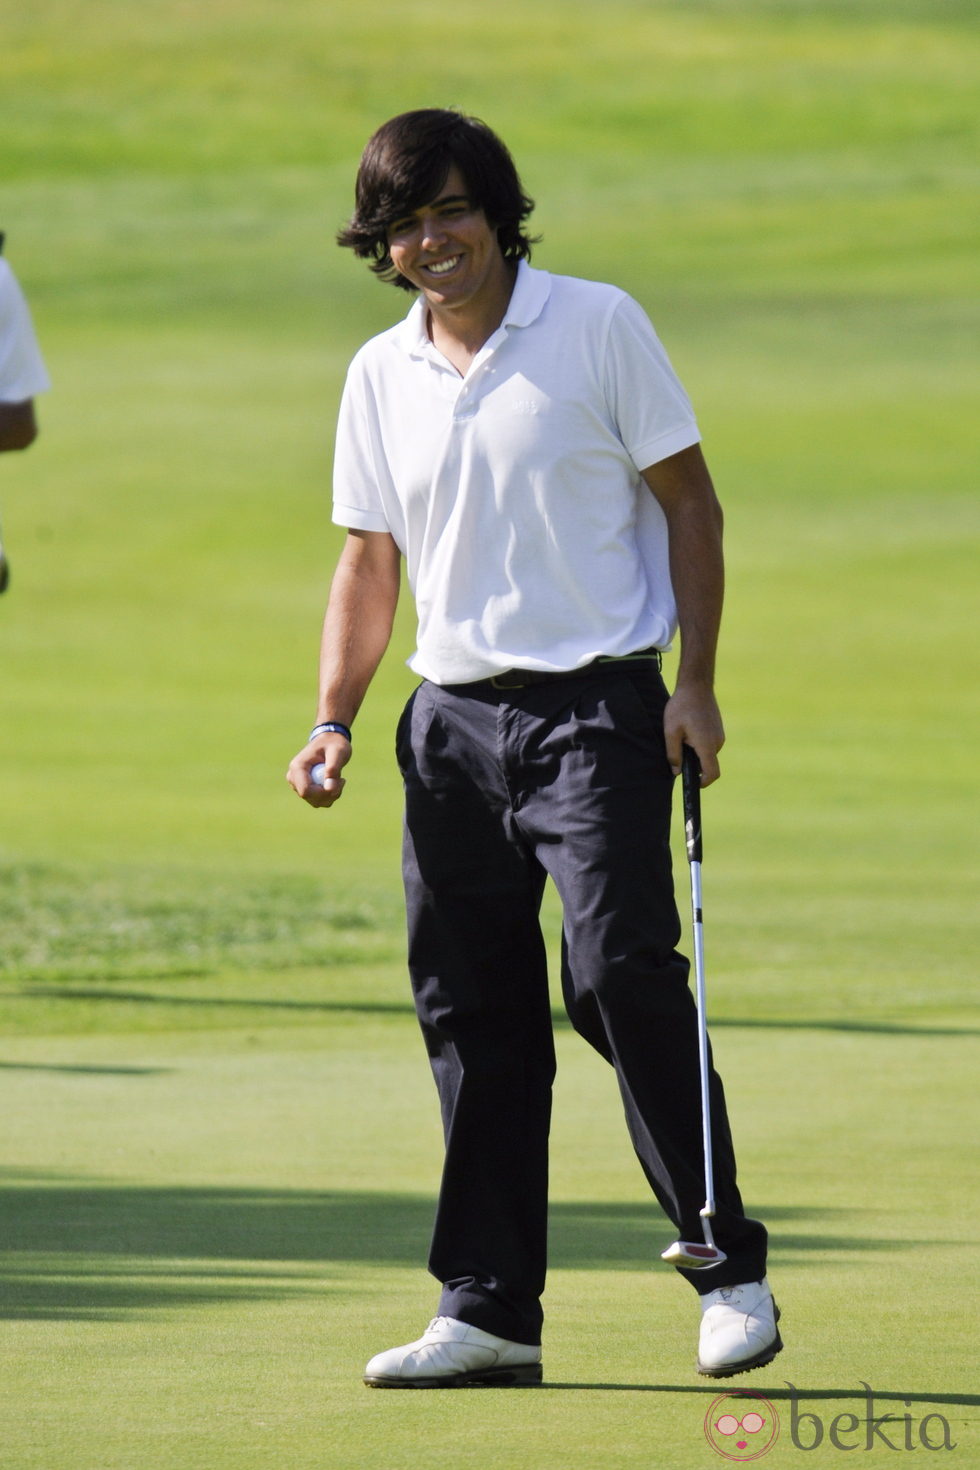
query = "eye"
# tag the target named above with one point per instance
(400, 227)
(752, 1423)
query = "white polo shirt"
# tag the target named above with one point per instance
(514, 493)
(22, 372)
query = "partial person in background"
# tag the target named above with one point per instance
(22, 376)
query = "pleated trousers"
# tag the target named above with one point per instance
(503, 789)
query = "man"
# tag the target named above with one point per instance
(22, 375)
(522, 442)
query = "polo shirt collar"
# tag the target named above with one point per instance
(532, 289)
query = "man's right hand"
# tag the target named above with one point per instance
(334, 752)
(356, 630)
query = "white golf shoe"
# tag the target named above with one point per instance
(452, 1354)
(738, 1329)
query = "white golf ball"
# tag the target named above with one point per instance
(317, 774)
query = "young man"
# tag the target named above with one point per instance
(521, 441)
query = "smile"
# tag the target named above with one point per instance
(442, 267)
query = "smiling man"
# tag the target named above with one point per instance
(448, 250)
(521, 442)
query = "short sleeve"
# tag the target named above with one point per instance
(357, 498)
(22, 371)
(652, 412)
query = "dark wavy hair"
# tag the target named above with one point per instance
(406, 163)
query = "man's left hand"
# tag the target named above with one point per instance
(692, 717)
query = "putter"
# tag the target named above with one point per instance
(693, 1253)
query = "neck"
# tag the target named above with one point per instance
(465, 328)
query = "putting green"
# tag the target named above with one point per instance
(207, 1234)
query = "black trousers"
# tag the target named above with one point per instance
(504, 788)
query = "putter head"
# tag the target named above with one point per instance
(693, 1254)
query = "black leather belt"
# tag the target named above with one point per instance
(521, 678)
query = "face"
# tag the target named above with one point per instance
(448, 250)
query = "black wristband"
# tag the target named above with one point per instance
(331, 727)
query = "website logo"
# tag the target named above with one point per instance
(741, 1426)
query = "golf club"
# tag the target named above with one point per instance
(692, 1253)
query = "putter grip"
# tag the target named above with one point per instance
(691, 784)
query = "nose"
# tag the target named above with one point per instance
(433, 232)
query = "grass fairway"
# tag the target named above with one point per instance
(220, 1141)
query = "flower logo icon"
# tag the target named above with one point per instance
(741, 1425)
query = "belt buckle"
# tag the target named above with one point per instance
(507, 680)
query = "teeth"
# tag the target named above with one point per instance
(443, 266)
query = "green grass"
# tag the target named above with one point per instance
(221, 1143)
(206, 1237)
